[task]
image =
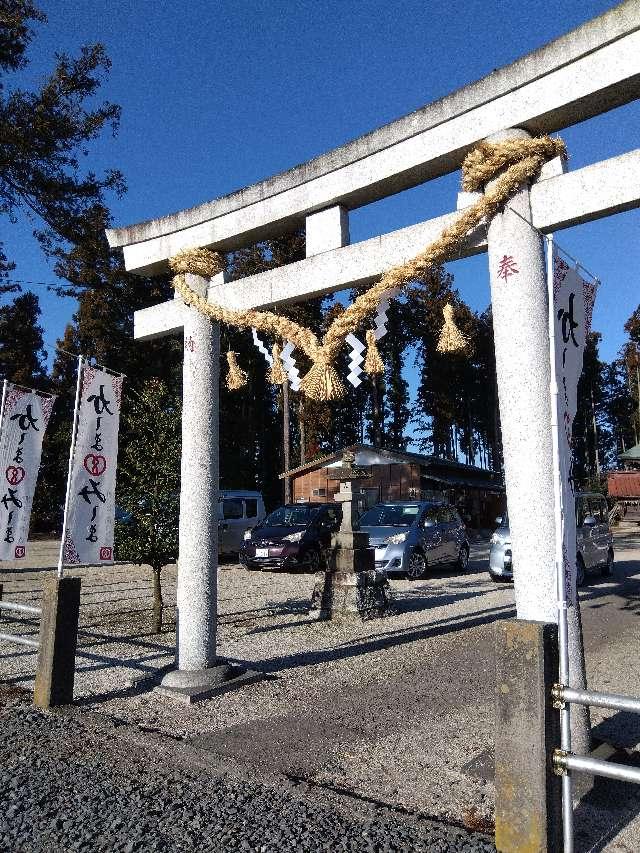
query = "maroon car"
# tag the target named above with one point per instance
(294, 536)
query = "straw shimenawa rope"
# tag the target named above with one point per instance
(509, 164)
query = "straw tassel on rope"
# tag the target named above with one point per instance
(236, 377)
(277, 376)
(322, 382)
(451, 338)
(373, 364)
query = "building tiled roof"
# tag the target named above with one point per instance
(633, 454)
(421, 459)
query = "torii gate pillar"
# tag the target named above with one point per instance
(199, 673)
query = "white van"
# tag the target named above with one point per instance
(238, 510)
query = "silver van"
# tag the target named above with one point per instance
(238, 511)
(594, 541)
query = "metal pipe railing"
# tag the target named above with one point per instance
(616, 701)
(564, 762)
(21, 641)
(21, 608)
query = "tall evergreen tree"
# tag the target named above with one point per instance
(22, 353)
(44, 133)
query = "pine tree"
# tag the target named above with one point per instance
(22, 353)
(149, 483)
(44, 133)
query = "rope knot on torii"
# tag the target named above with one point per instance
(507, 164)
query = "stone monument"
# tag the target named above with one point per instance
(350, 586)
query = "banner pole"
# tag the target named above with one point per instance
(561, 584)
(4, 397)
(74, 431)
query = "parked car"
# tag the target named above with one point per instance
(411, 537)
(594, 541)
(238, 512)
(292, 537)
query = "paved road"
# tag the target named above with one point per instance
(385, 715)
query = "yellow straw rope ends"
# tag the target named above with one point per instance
(277, 376)
(451, 338)
(236, 377)
(373, 364)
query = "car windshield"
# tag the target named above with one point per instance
(291, 516)
(389, 515)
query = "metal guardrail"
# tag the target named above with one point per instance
(15, 606)
(564, 761)
(21, 608)
(616, 701)
(21, 641)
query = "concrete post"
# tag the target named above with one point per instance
(521, 332)
(56, 664)
(520, 325)
(199, 485)
(528, 794)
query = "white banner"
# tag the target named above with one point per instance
(573, 300)
(24, 421)
(92, 488)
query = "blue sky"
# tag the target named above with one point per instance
(217, 95)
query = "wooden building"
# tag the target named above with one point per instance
(625, 484)
(398, 475)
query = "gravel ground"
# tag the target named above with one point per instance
(389, 713)
(67, 786)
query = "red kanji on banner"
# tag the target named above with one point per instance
(15, 475)
(95, 465)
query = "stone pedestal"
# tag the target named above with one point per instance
(351, 587)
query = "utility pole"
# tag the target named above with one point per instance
(286, 439)
(595, 434)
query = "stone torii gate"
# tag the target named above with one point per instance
(591, 70)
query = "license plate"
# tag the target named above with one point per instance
(262, 552)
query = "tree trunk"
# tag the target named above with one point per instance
(158, 603)
(376, 412)
(301, 428)
(286, 439)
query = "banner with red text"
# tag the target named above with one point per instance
(90, 516)
(24, 421)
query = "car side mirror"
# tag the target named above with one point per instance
(499, 520)
(589, 521)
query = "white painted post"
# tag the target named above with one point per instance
(520, 324)
(199, 484)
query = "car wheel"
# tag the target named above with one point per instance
(417, 565)
(607, 569)
(463, 558)
(580, 576)
(313, 560)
